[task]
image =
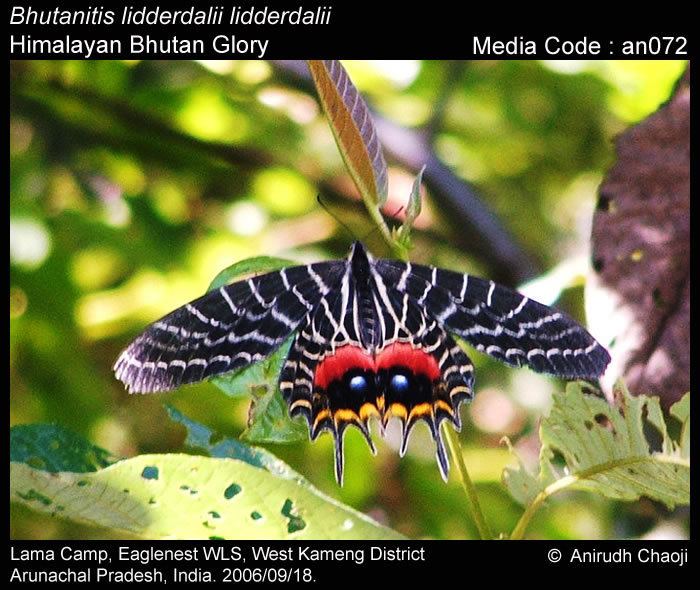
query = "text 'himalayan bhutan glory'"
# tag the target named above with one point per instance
(372, 339)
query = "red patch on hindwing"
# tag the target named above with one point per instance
(401, 381)
(401, 354)
(344, 359)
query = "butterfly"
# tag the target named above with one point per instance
(373, 340)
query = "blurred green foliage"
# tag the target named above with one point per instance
(134, 183)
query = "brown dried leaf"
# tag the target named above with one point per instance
(639, 295)
(353, 129)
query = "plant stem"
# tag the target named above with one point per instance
(519, 530)
(467, 484)
(376, 216)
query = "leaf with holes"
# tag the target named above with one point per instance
(191, 497)
(353, 129)
(681, 412)
(203, 439)
(49, 447)
(606, 450)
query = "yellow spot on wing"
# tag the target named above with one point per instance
(398, 410)
(421, 410)
(322, 415)
(367, 410)
(444, 405)
(344, 416)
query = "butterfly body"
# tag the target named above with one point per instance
(373, 339)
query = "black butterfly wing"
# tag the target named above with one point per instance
(228, 328)
(499, 321)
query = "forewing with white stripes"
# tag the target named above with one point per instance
(227, 329)
(500, 322)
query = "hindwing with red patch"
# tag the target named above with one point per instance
(414, 371)
(372, 340)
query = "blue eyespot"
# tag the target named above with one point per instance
(358, 384)
(399, 383)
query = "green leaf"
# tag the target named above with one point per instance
(256, 265)
(353, 129)
(606, 450)
(191, 497)
(522, 484)
(412, 211)
(52, 448)
(268, 419)
(261, 375)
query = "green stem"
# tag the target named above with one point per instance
(519, 530)
(376, 216)
(467, 484)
